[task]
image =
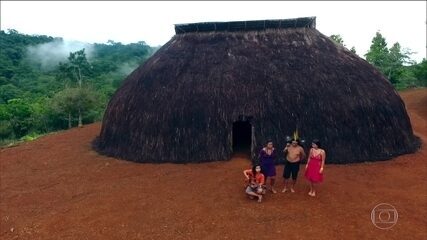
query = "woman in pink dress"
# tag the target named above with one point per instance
(314, 167)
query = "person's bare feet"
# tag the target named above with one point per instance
(273, 190)
(285, 189)
(292, 190)
(259, 198)
(313, 194)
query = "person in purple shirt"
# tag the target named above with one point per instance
(267, 157)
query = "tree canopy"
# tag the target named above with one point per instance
(33, 100)
(395, 63)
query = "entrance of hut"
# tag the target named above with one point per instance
(242, 137)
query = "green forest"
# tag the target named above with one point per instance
(45, 87)
(42, 91)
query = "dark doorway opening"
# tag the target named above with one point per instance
(242, 137)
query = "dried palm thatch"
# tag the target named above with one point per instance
(180, 105)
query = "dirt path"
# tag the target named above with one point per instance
(58, 188)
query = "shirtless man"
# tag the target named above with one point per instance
(294, 154)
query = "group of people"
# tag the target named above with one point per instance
(265, 170)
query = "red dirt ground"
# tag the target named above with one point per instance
(57, 187)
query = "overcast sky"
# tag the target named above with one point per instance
(153, 22)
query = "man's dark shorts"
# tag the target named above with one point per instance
(291, 169)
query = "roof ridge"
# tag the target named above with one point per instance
(304, 22)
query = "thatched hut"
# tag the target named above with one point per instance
(215, 86)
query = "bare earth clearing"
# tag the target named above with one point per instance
(57, 187)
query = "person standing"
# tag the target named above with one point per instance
(294, 154)
(267, 158)
(315, 165)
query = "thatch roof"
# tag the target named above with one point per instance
(307, 22)
(180, 105)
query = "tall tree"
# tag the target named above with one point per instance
(378, 54)
(391, 61)
(76, 69)
(79, 65)
(396, 58)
